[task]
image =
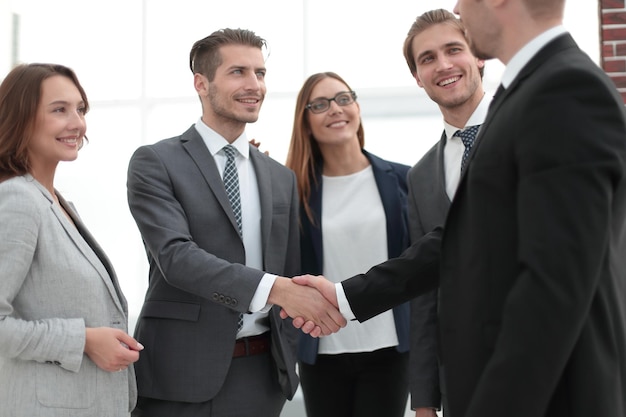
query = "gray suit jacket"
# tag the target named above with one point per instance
(198, 279)
(54, 281)
(428, 207)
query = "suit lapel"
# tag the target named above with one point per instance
(387, 185)
(560, 43)
(90, 249)
(315, 202)
(264, 182)
(199, 153)
(440, 169)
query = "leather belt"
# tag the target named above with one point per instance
(253, 345)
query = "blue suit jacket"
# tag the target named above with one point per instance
(392, 186)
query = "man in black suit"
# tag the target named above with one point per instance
(531, 266)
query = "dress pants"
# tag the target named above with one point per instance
(251, 389)
(369, 384)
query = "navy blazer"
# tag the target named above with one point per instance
(392, 186)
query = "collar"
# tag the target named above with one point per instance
(477, 118)
(524, 55)
(215, 142)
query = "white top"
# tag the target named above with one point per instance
(354, 237)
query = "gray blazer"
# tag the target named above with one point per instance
(198, 279)
(54, 281)
(428, 207)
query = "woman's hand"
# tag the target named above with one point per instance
(111, 349)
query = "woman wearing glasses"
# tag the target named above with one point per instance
(353, 216)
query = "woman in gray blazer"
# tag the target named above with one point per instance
(64, 347)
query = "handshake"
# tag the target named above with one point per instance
(311, 301)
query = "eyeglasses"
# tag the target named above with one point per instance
(320, 105)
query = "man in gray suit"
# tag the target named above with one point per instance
(219, 220)
(439, 58)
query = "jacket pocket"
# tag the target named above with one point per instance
(171, 310)
(60, 388)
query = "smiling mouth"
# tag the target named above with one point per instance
(249, 100)
(70, 141)
(449, 81)
(339, 123)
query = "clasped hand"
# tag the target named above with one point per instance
(315, 309)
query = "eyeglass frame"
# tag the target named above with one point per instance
(350, 93)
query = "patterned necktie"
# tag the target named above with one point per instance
(231, 184)
(467, 137)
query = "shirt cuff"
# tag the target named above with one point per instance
(344, 305)
(259, 301)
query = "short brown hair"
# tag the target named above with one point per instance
(425, 21)
(205, 57)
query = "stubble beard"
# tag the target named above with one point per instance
(229, 115)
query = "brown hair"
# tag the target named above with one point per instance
(20, 93)
(204, 57)
(425, 21)
(304, 154)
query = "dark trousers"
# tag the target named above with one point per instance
(371, 384)
(251, 389)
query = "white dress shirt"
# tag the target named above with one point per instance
(454, 148)
(256, 322)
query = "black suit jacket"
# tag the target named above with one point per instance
(198, 279)
(533, 265)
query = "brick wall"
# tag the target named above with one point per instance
(613, 41)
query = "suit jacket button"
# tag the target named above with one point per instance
(234, 302)
(221, 298)
(228, 300)
(57, 363)
(216, 296)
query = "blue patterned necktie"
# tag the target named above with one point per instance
(467, 137)
(231, 184)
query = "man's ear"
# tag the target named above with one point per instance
(201, 84)
(417, 78)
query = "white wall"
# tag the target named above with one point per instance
(132, 58)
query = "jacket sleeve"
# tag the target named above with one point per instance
(396, 280)
(48, 340)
